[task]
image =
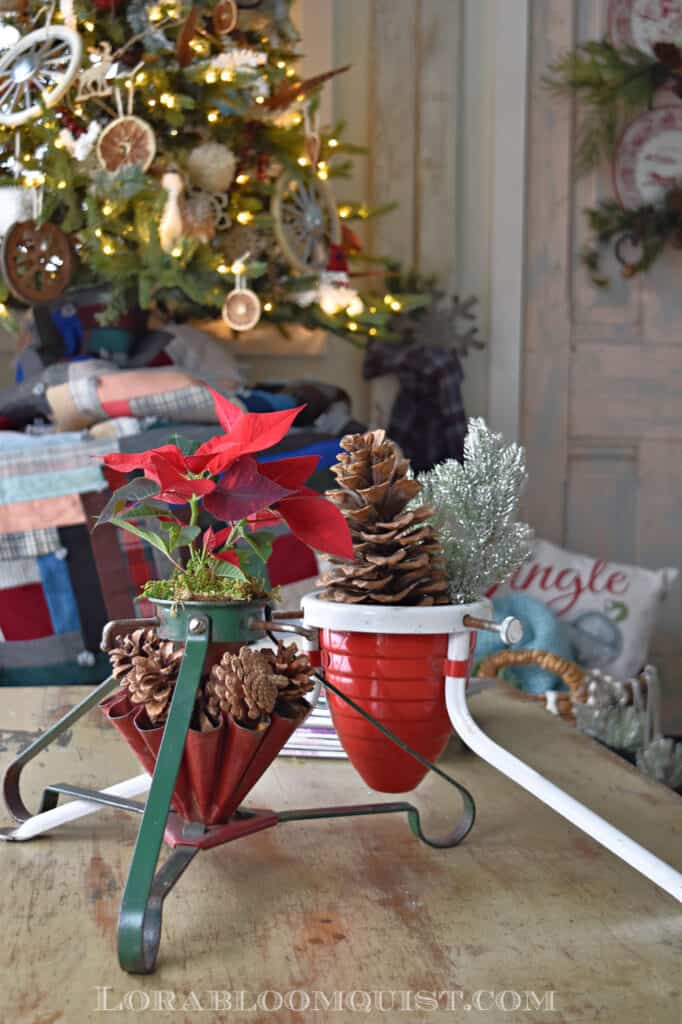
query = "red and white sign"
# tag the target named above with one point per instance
(648, 159)
(642, 23)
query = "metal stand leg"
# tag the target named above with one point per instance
(10, 783)
(139, 926)
(85, 804)
(631, 852)
(462, 827)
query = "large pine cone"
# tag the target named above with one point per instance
(292, 669)
(243, 685)
(398, 557)
(152, 679)
(140, 643)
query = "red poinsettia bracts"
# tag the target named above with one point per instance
(224, 475)
(309, 516)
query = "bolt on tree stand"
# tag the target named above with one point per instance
(139, 929)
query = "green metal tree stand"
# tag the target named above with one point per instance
(139, 927)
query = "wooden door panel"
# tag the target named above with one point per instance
(602, 398)
(626, 391)
(601, 501)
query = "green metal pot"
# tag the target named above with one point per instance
(228, 620)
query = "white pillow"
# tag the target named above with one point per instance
(610, 609)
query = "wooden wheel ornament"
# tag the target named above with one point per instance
(37, 261)
(306, 220)
(126, 141)
(36, 72)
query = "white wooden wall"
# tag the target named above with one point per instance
(601, 412)
(419, 97)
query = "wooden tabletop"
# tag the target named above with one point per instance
(527, 904)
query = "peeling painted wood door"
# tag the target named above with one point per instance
(602, 378)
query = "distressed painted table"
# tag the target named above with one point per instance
(528, 911)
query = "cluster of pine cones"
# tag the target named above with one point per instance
(398, 557)
(247, 686)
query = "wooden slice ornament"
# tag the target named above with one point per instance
(37, 261)
(648, 160)
(225, 16)
(643, 23)
(183, 46)
(242, 309)
(36, 72)
(126, 141)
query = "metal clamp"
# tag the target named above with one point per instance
(309, 633)
(118, 626)
(510, 630)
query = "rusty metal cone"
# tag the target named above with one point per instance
(151, 736)
(240, 746)
(203, 757)
(120, 712)
(285, 719)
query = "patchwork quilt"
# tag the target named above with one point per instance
(60, 581)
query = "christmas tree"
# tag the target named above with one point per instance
(173, 152)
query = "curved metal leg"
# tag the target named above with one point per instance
(79, 808)
(139, 926)
(627, 849)
(466, 820)
(10, 783)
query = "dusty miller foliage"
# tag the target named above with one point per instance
(476, 506)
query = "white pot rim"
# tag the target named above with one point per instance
(381, 618)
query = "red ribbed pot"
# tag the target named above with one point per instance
(391, 662)
(399, 680)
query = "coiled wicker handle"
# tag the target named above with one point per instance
(569, 673)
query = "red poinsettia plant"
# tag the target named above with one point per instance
(242, 496)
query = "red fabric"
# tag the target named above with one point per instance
(120, 407)
(140, 567)
(161, 359)
(24, 614)
(291, 560)
(5, 423)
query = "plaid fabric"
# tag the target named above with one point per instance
(28, 544)
(18, 572)
(52, 458)
(84, 395)
(184, 405)
(430, 379)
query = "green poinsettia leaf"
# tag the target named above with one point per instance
(260, 543)
(152, 538)
(131, 493)
(229, 571)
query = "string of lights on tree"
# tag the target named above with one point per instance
(174, 152)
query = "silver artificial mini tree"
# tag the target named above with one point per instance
(476, 505)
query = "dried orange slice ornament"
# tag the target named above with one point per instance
(126, 141)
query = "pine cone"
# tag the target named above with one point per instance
(152, 679)
(292, 670)
(243, 685)
(398, 557)
(140, 643)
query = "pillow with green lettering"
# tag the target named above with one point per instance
(610, 609)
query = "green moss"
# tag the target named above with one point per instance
(203, 585)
